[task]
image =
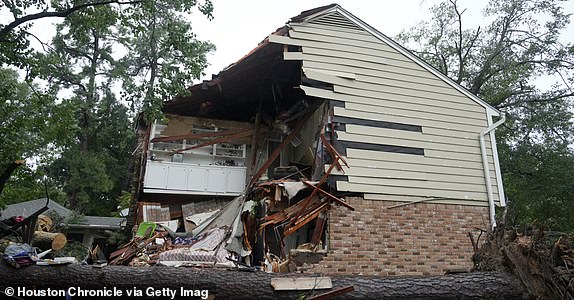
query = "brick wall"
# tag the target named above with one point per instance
(416, 239)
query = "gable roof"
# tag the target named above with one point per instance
(29, 207)
(334, 13)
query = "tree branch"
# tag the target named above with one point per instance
(58, 14)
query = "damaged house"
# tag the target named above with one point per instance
(328, 148)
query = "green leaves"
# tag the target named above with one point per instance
(78, 125)
(518, 64)
(165, 54)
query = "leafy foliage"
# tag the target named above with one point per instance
(508, 62)
(99, 47)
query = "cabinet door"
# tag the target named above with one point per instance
(177, 178)
(155, 176)
(196, 179)
(216, 180)
(236, 180)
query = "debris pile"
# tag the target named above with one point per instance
(543, 261)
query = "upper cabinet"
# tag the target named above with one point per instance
(189, 155)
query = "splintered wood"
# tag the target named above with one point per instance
(312, 207)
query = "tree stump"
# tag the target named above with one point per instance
(49, 240)
(44, 223)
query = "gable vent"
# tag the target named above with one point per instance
(335, 19)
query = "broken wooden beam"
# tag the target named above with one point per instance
(225, 139)
(277, 151)
(330, 196)
(301, 283)
(197, 135)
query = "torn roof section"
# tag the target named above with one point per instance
(264, 74)
(235, 93)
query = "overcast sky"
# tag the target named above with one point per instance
(239, 26)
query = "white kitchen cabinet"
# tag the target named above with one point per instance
(235, 180)
(156, 176)
(181, 178)
(216, 179)
(197, 179)
(177, 177)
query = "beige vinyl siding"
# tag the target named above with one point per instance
(479, 197)
(376, 82)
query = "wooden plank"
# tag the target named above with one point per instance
(197, 135)
(332, 73)
(225, 139)
(330, 196)
(396, 104)
(432, 114)
(334, 40)
(301, 283)
(277, 151)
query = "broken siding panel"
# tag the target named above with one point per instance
(375, 131)
(406, 142)
(403, 101)
(387, 157)
(397, 100)
(428, 185)
(390, 87)
(401, 91)
(390, 82)
(389, 172)
(412, 167)
(403, 198)
(456, 128)
(411, 191)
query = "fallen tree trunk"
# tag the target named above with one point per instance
(49, 240)
(225, 284)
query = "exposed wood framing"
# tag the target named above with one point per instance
(329, 195)
(277, 151)
(197, 135)
(242, 134)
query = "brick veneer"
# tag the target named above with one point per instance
(417, 239)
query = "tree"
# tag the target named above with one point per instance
(165, 54)
(32, 126)
(504, 62)
(100, 46)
